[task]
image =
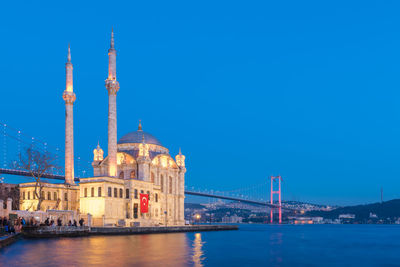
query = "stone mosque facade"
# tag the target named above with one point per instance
(136, 164)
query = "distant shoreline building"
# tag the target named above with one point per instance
(136, 164)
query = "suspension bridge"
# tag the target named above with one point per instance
(14, 141)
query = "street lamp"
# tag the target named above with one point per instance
(197, 216)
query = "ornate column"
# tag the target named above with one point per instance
(143, 160)
(69, 98)
(112, 86)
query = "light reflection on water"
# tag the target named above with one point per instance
(197, 250)
(252, 245)
(139, 250)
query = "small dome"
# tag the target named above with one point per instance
(137, 137)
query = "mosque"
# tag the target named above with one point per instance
(137, 172)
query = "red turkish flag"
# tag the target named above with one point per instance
(144, 203)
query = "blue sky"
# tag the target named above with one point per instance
(307, 90)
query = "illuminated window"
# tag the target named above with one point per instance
(115, 192)
(48, 195)
(109, 192)
(121, 175)
(133, 175)
(135, 193)
(127, 193)
(85, 192)
(121, 193)
(152, 177)
(55, 196)
(92, 192)
(99, 192)
(170, 185)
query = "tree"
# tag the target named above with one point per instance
(37, 163)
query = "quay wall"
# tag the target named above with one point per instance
(8, 240)
(158, 229)
(70, 231)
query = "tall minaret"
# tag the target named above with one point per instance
(69, 98)
(112, 86)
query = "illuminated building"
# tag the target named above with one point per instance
(136, 163)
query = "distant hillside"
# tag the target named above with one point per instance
(388, 209)
(193, 206)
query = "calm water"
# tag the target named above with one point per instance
(279, 245)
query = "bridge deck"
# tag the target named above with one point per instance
(61, 177)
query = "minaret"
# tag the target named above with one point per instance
(180, 161)
(112, 86)
(69, 98)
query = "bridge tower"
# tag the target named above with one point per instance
(112, 86)
(69, 98)
(278, 192)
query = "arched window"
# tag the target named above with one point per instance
(170, 185)
(121, 192)
(109, 192)
(115, 192)
(133, 174)
(29, 195)
(156, 197)
(121, 175)
(55, 196)
(152, 177)
(148, 193)
(85, 192)
(23, 195)
(92, 192)
(127, 193)
(48, 195)
(66, 196)
(162, 183)
(136, 194)
(43, 196)
(99, 192)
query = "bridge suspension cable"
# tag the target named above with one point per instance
(13, 142)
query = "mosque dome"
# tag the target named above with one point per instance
(137, 137)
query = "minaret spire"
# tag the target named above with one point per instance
(112, 86)
(112, 59)
(69, 54)
(112, 38)
(69, 98)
